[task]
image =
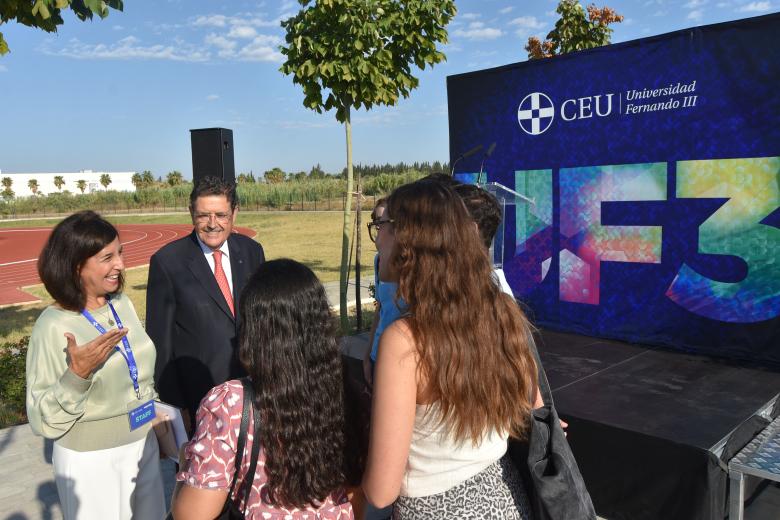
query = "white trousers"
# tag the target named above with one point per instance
(120, 483)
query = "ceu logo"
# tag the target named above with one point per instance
(535, 113)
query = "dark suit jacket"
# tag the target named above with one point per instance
(189, 321)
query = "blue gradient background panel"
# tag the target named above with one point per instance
(655, 223)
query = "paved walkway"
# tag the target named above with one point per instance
(27, 489)
(332, 290)
(28, 492)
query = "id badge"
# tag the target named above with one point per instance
(140, 414)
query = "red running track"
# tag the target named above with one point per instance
(19, 249)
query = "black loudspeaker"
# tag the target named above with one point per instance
(212, 154)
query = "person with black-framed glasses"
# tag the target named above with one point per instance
(389, 307)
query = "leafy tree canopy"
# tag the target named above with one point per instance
(573, 31)
(274, 176)
(246, 177)
(174, 178)
(349, 54)
(47, 14)
(316, 172)
(356, 53)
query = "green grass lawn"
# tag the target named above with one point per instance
(313, 238)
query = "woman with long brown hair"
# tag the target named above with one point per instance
(454, 377)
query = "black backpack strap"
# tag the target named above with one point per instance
(242, 432)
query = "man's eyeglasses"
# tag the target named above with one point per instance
(206, 217)
(373, 228)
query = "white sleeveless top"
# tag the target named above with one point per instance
(437, 463)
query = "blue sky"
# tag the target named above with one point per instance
(120, 94)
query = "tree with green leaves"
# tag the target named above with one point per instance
(8, 193)
(82, 185)
(137, 180)
(147, 178)
(105, 180)
(244, 178)
(47, 14)
(33, 185)
(174, 178)
(573, 31)
(59, 181)
(348, 54)
(316, 172)
(274, 176)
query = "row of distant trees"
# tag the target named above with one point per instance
(146, 179)
(59, 181)
(277, 175)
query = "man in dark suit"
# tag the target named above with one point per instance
(192, 299)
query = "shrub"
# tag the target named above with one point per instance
(13, 357)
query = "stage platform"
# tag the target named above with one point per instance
(652, 430)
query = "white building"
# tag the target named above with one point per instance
(120, 181)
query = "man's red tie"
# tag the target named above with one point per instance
(219, 274)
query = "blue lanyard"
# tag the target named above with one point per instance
(127, 353)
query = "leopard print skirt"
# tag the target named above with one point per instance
(496, 492)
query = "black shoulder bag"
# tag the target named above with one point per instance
(553, 480)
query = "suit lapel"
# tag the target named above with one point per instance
(200, 269)
(237, 269)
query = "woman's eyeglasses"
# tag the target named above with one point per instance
(374, 226)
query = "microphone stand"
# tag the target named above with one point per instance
(463, 156)
(482, 164)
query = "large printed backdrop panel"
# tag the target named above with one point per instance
(654, 166)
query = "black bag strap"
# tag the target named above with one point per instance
(241, 438)
(544, 384)
(250, 474)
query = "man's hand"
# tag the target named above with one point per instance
(83, 360)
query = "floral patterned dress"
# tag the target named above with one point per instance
(210, 460)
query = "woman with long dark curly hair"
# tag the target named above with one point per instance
(454, 377)
(289, 347)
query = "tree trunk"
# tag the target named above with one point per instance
(347, 225)
(358, 229)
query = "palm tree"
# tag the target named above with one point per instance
(174, 178)
(59, 181)
(105, 180)
(147, 178)
(8, 193)
(137, 180)
(81, 184)
(33, 185)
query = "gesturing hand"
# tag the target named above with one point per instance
(85, 359)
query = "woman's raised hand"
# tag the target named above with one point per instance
(84, 359)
